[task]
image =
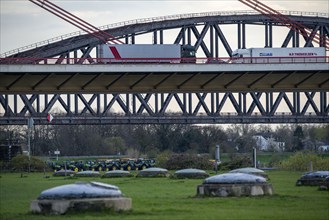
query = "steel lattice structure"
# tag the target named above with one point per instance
(205, 31)
(183, 108)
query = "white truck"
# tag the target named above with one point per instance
(144, 53)
(279, 55)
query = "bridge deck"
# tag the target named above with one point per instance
(163, 78)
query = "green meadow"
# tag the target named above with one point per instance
(165, 198)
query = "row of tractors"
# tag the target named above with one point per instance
(103, 165)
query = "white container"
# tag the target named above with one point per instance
(139, 53)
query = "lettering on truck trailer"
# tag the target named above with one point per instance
(265, 54)
(303, 54)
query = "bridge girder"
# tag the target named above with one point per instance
(179, 108)
(187, 33)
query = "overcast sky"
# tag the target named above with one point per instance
(23, 23)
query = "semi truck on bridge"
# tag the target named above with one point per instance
(279, 55)
(145, 53)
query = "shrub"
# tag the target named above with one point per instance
(184, 161)
(237, 161)
(21, 163)
(301, 162)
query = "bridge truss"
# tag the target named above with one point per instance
(167, 108)
(207, 32)
(210, 33)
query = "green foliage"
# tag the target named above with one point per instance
(184, 161)
(301, 162)
(162, 158)
(165, 198)
(236, 161)
(21, 163)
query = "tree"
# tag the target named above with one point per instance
(298, 138)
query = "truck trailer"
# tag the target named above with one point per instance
(279, 55)
(145, 53)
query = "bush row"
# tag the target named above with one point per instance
(301, 162)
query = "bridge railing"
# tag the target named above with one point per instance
(205, 60)
(155, 19)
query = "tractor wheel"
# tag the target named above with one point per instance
(143, 167)
(99, 168)
(114, 168)
(76, 170)
(107, 169)
(128, 167)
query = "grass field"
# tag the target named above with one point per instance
(164, 198)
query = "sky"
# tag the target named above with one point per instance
(23, 23)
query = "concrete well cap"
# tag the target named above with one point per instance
(190, 171)
(247, 170)
(81, 190)
(234, 178)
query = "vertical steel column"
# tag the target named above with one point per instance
(155, 37)
(156, 102)
(127, 103)
(161, 36)
(216, 45)
(184, 102)
(69, 103)
(243, 35)
(46, 100)
(268, 108)
(134, 103)
(212, 103)
(211, 27)
(243, 104)
(266, 35)
(38, 103)
(183, 36)
(270, 34)
(75, 55)
(190, 103)
(323, 103)
(15, 104)
(76, 105)
(217, 102)
(239, 35)
(296, 101)
(189, 39)
(105, 103)
(132, 38)
(271, 101)
(68, 58)
(297, 39)
(98, 104)
(161, 100)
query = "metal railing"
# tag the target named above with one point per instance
(205, 60)
(155, 19)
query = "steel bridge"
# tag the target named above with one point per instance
(70, 84)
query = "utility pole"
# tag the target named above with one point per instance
(30, 123)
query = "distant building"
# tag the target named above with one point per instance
(322, 147)
(267, 142)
